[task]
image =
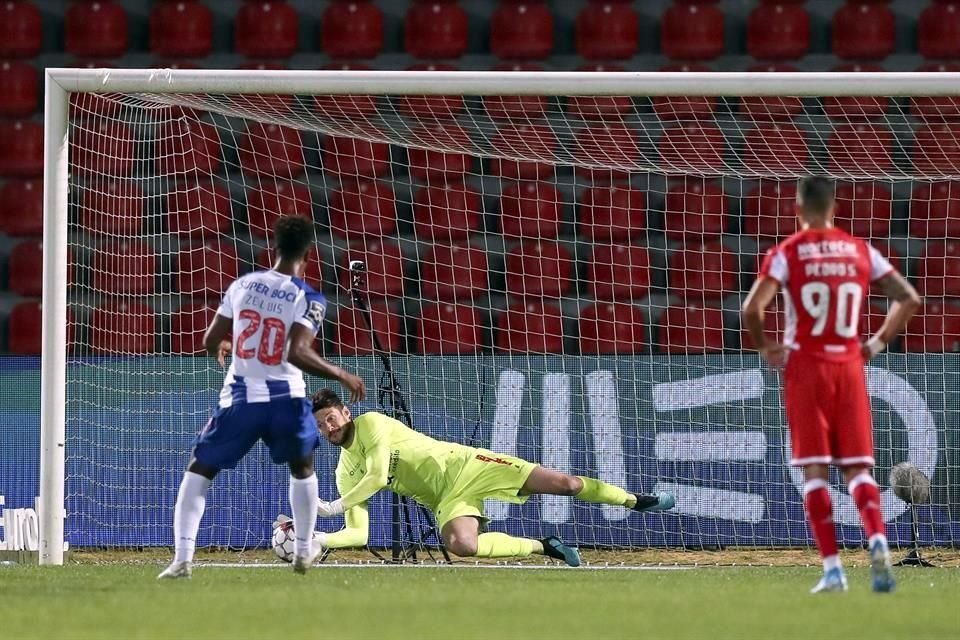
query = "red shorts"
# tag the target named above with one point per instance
(828, 411)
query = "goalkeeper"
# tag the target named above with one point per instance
(378, 452)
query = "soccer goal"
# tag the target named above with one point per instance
(555, 262)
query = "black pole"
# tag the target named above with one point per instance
(914, 559)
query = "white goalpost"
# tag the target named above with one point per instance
(555, 264)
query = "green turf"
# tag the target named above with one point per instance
(125, 601)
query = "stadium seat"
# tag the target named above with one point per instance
(446, 212)
(864, 209)
(313, 274)
(352, 335)
(523, 108)
(435, 30)
(685, 107)
(768, 107)
(453, 272)
(692, 31)
(351, 29)
(19, 88)
(267, 29)
(935, 210)
(429, 108)
(862, 149)
(24, 328)
(206, 270)
(530, 209)
(21, 148)
(355, 157)
(701, 272)
(271, 149)
(432, 162)
(25, 269)
(775, 148)
(619, 271)
(612, 327)
(938, 271)
(607, 151)
(938, 30)
(95, 29)
(694, 207)
(599, 107)
(936, 149)
(523, 141)
(531, 326)
(385, 265)
(778, 30)
(449, 328)
(539, 268)
(363, 208)
(933, 108)
(691, 329)
(180, 29)
(113, 208)
(936, 329)
(607, 30)
(187, 147)
(21, 30)
(612, 213)
(122, 327)
(847, 108)
(21, 208)
(272, 103)
(863, 30)
(270, 200)
(774, 322)
(770, 209)
(889, 251)
(521, 30)
(187, 326)
(123, 267)
(693, 147)
(201, 208)
(349, 106)
(103, 148)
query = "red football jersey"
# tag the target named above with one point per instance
(824, 275)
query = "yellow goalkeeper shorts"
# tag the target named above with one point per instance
(486, 475)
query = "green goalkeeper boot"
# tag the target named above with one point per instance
(554, 548)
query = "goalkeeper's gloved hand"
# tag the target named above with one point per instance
(329, 509)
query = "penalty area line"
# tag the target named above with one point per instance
(371, 565)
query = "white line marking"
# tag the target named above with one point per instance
(372, 565)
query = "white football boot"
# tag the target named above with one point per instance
(177, 570)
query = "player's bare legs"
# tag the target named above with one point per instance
(304, 498)
(462, 537)
(191, 501)
(819, 508)
(866, 494)
(549, 481)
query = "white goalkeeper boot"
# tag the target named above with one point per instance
(301, 564)
(833, 580)
(177, 570)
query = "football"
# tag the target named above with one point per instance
(284, 544)
(909, 483)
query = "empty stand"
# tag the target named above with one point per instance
(363, 208)
(25, 269)
(21, 149)
(936, 149)
(932, 108)
(775, 148)
(700, 272)
(861, 149)
(607, 30)
(619, 271)
(536, 268)
(612, 212)
(351, 29)
(200, 208)
(601, 145)
(181, 29)
(685, 107)
(522, 108)
(770, 209)
(385, 266)
(435, 29)
(124, 267)
(430, 108)
(206, 270)
(691, 329)
(267, 29)
(935, 210)
(692, 146)
(938, 30)
(521, 30)
(446, 212)
(936, 329)
(938, 271)
(347, 106)
(599, 107)
(863, 30)
(530, 209)
(449, 328)
(525, 141)
(123, 327)
(24, 328)
(186, 146)
(453, 272)
(312, 274)
(847, 108)
(103, 147)
(532, 326)
(771, 107)
(271, 149)
(352, 336)
(864, 209)
(19, 88)
(612, 327)
(21, 30)
(355, 157)
(114, 208)
(269, 200)
(692, 31)
(778, 30)
(430, 163)
(95, 29)
(694, 208)
(187, 326)
(21, 207)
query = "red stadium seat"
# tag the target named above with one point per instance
(612, 212)
(270, 200)
(19, 88)
(695, 207)
(864, 209)
(429, 109)
(691, 329)
(125, 267)
(435, 29)
(936, 149)
(770, 209)
(932, 108)
(187, 147)
(24, 327)
(446, 212)
(103, 148)
(619, 271)
(21, 208)
(21, 30)
(206, 270)
(539, 269)
(201, 209)
(778, 31)
(847, 108)
(352, 335)
(449, 328)
(433, 163)
(274, 103)
(266, 29)
(685, 107)
(599, 107)
(352, 29)
(271, 149)
(607, 151)
(181, 29)
(692, 31)
(122, 327)
(21, 149)
(385, 265)
(938, 272)
(935, 210)
(346, 106)
(774, 322)
(187, 326)
(313, 274)
(701, 272)
(524, 108)
(776, 148)
(114, 208)
(612, 327)
(355, 157)
(453, 272)
(607, 30)
(521, 30)
(767, 107)
(363, 208)
(25, 269)
(95, 29)
(938, 30)
(862, 149)
(530, 209)
(936, 329)
(531, 326)
(863, 30)
(523, 141)
(693, 146)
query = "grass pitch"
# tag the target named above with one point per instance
(124, 600)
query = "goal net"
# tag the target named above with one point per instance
(554, 274)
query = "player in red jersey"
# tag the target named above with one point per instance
(825, 274)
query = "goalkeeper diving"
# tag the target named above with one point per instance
(378, 452)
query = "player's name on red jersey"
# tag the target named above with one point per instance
(827, 249)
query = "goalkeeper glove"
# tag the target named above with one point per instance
(329, 509)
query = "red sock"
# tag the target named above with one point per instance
(816, 499)
(866, 494)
